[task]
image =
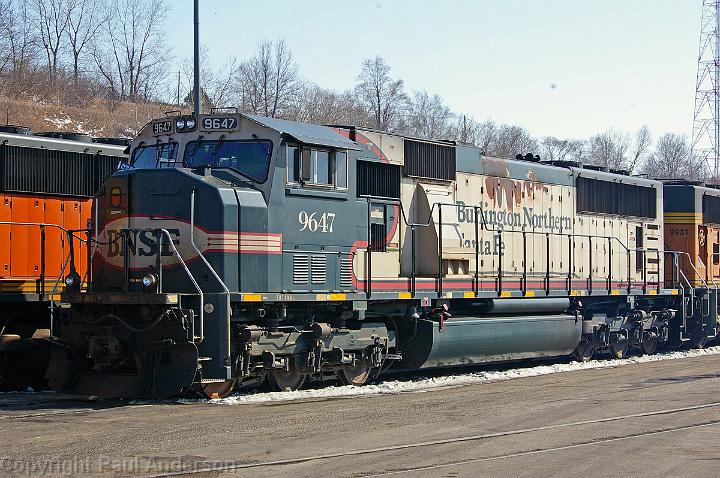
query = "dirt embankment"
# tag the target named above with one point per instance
(100, 118)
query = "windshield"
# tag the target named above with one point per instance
(249, 158)
(153, 156)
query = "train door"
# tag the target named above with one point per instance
(54, 239)
(639, 254)
(713, 253)
(19, 236)
(72, 221)
(4, 235)
(36, 214)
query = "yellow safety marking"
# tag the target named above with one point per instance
(55, 297)
(615, 292)
(505, 293)
(574, 293)
(652, 292)
(674, 292)
(338, 296)
(529, 293)
(404, 295)
(469, 295)
(251, 297)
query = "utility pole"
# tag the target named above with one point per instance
(196, 60)
(706, 118)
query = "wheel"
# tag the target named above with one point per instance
(584, 351)
(280, 380)
(215, 390)
(649, 345)
(619, 349)
(357, 374)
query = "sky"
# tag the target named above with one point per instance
(563, 68)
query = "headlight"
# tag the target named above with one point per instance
(190, 123)
(179, 123)
(149, 280)
(72, 281)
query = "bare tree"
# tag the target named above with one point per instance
(507, 141)
(641, 146)
(18, 36)
(673, 159)
(51, 19)
(465, 130)
(85, 18)
(131, 55)
(554, 149)
(380, 94)
(268, 81)
(428, 116)
(608, 149)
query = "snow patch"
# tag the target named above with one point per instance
(386, 387)
(58, 122)
(65, 123)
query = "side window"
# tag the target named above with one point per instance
(293, 164)
(341, 170)
(317, 167)
(321, 168)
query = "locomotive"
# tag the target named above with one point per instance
(47, 181)
(234, 249)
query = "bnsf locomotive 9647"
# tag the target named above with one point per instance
(234, 249)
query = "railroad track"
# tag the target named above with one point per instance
(468, 438)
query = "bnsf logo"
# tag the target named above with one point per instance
(140, 243)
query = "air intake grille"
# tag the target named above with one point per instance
(378, 179)
(318, 266)
(378, 242)
(301, 269)
(346, 273)
(608, 197)
(35, 170)
(429, 160)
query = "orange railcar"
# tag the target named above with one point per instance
(46, 188)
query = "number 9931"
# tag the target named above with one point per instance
(316, 221)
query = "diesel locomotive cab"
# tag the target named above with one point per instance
(186, 255)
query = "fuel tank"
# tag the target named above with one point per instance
(478, 340)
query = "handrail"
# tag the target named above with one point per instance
(195, 247)
(192, 279)
(478, 212)
(712, 279)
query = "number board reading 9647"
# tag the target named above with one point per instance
(222, 123)
(162, 127)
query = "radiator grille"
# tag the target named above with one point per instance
(378, 239)
(318, 265)
(378, 179)
(53, 172)
(429, 160)
(346, 272)
(301, 269)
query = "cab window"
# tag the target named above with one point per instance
(309, 166)
(153, 156)
(249, 158)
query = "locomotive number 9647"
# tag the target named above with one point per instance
(316, 221)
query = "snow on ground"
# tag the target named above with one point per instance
(425, 384)
(64, 123)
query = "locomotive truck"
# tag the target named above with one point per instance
(234, 249)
